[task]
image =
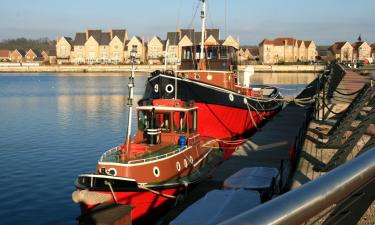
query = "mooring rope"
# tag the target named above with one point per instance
(341, 93)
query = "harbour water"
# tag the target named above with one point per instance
(55, 126)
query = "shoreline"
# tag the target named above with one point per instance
(149, 68)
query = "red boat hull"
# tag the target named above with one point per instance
(148, 207)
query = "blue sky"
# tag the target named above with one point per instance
(323, 21)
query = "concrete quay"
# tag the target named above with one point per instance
(144, 68)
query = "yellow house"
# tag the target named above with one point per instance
(230, 41)
(342, 51)
(64, 47)
(79, 55)
(155, 51)
(286, 49)
(311, 51)
(93, 38)
(18, 55)
(373, 51)
(173, 39)
(104, 48)
(361, 50)
(135, 43)
(117, 45)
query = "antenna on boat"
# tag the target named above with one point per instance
(124, 154)
(203, 17)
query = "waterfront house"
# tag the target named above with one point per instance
(64, 47)
(78, 55)
(286, 49)
(212, 37)
(33, 55)
(253, 53)
(246, 55)
(92, 43)
(45, 55)
(230, 41)
(311, 52)
(4, 55)
(373, 51)
(187, 39)
(18, 55)
(52, 56)
(135, 43)
(173, 38)
(155, 50)
(361, 51)
(104, 48)
(341, 51)
(117, 45)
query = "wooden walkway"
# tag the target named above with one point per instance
(267, 147)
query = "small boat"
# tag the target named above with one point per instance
(154, 171)
(229, 107)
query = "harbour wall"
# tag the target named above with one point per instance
(25, 68)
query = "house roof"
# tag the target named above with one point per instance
(21, 51)
(105, 38)
(307, 43)
(120, 33)
(284, 40)
(80, 39)
(336, 47)
(4, 53)
(254, 51)
(36, 52)
(68, 39)
(52, 52)
(197, 38)
(96, 34)
(357, 44)
(266, 42)
(188, 32)
(173, 38)
(214, 32)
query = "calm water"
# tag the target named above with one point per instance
(54, 127)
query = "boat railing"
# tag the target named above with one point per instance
(112, 153)
(159, 156)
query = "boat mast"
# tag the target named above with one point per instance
(203, 17)
(125, 154)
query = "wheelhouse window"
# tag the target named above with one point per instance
(192, 121)
(162, 121)
(179, 122)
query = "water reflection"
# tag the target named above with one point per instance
(283, 78)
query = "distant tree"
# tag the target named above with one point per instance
(24, 43)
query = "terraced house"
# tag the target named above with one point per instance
(286, 49)
(93, 47)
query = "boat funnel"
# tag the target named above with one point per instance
(249, 71)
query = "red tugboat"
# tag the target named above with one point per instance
(152, 171)
(229, 109)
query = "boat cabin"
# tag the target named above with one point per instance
(165, 121)
(217, 57)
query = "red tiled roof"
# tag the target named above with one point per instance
(336, 47)
(4, 53)
(308, 43)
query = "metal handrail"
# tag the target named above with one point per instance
(299, 205)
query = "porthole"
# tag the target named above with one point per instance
(169, 88)
(197, 76)
(209, 77)
(156, 171)
(112, 171)
(231, 97)
(185, 163)
(191, 159)
(156, 88)
(178, 166)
